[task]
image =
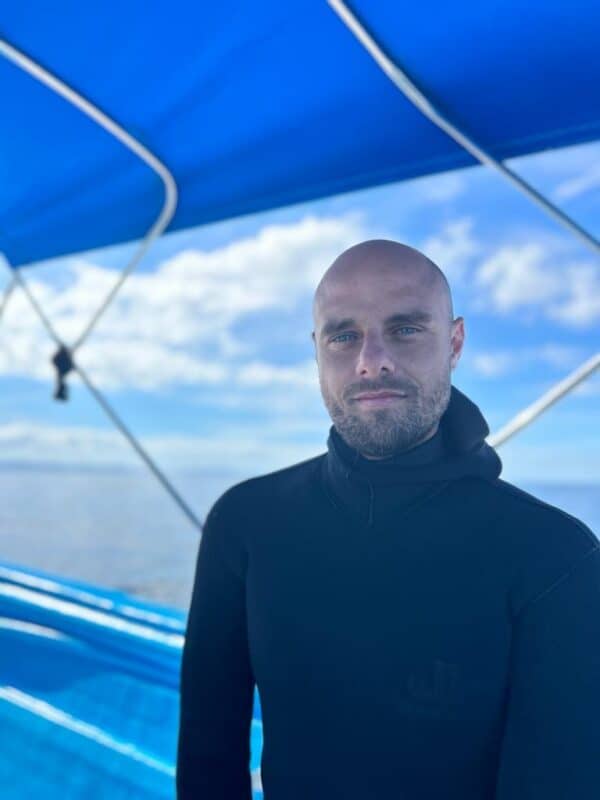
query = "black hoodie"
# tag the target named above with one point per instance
(417, 628)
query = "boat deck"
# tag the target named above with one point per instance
(89, 699)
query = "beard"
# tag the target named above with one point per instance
(384, 432)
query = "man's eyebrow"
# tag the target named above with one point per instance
(335, 325)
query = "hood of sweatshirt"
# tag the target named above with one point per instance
(373, 491)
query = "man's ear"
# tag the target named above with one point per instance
(458, 340)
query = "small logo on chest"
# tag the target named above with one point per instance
(437, 684)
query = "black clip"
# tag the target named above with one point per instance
(63, 362)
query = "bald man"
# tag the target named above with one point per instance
(417, 628)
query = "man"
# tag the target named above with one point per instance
(416, 626)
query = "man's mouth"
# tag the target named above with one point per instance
(378, 398)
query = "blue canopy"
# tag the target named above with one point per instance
(258, 105)
(251, 106)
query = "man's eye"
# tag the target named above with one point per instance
(406, 327)
(340, 336)
(402, 328)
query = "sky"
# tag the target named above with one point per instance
(207, 356)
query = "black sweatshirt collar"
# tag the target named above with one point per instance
(371, 491)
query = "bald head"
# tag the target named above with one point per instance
(377, 256)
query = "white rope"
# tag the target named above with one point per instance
(37, 307)
(401, 80)
(27, 64)
(111, 413)
(527, 415)
(9, 289)
(139, 449)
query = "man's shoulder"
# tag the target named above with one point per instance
(547, 543)
(525, 524)
(274, 486)
(514, 504)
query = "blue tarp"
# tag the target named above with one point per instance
(258, 105)
(89, 695)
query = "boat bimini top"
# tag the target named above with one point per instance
(131, 119)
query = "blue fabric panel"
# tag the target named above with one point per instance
(258, 106)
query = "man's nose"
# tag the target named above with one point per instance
(373, 357)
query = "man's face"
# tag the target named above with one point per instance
(367, 339)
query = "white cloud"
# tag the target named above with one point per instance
(118, 363)
(27, 441)
(493, 364)
(558, 355)
(538, 277)
(174, 326)
(246, 450)
(581, 305)
(517, 275)
(262, 374)
(563, 173)
(453, 248)
(440, 188)
(587, 181)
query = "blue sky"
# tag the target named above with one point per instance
(207, 356)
